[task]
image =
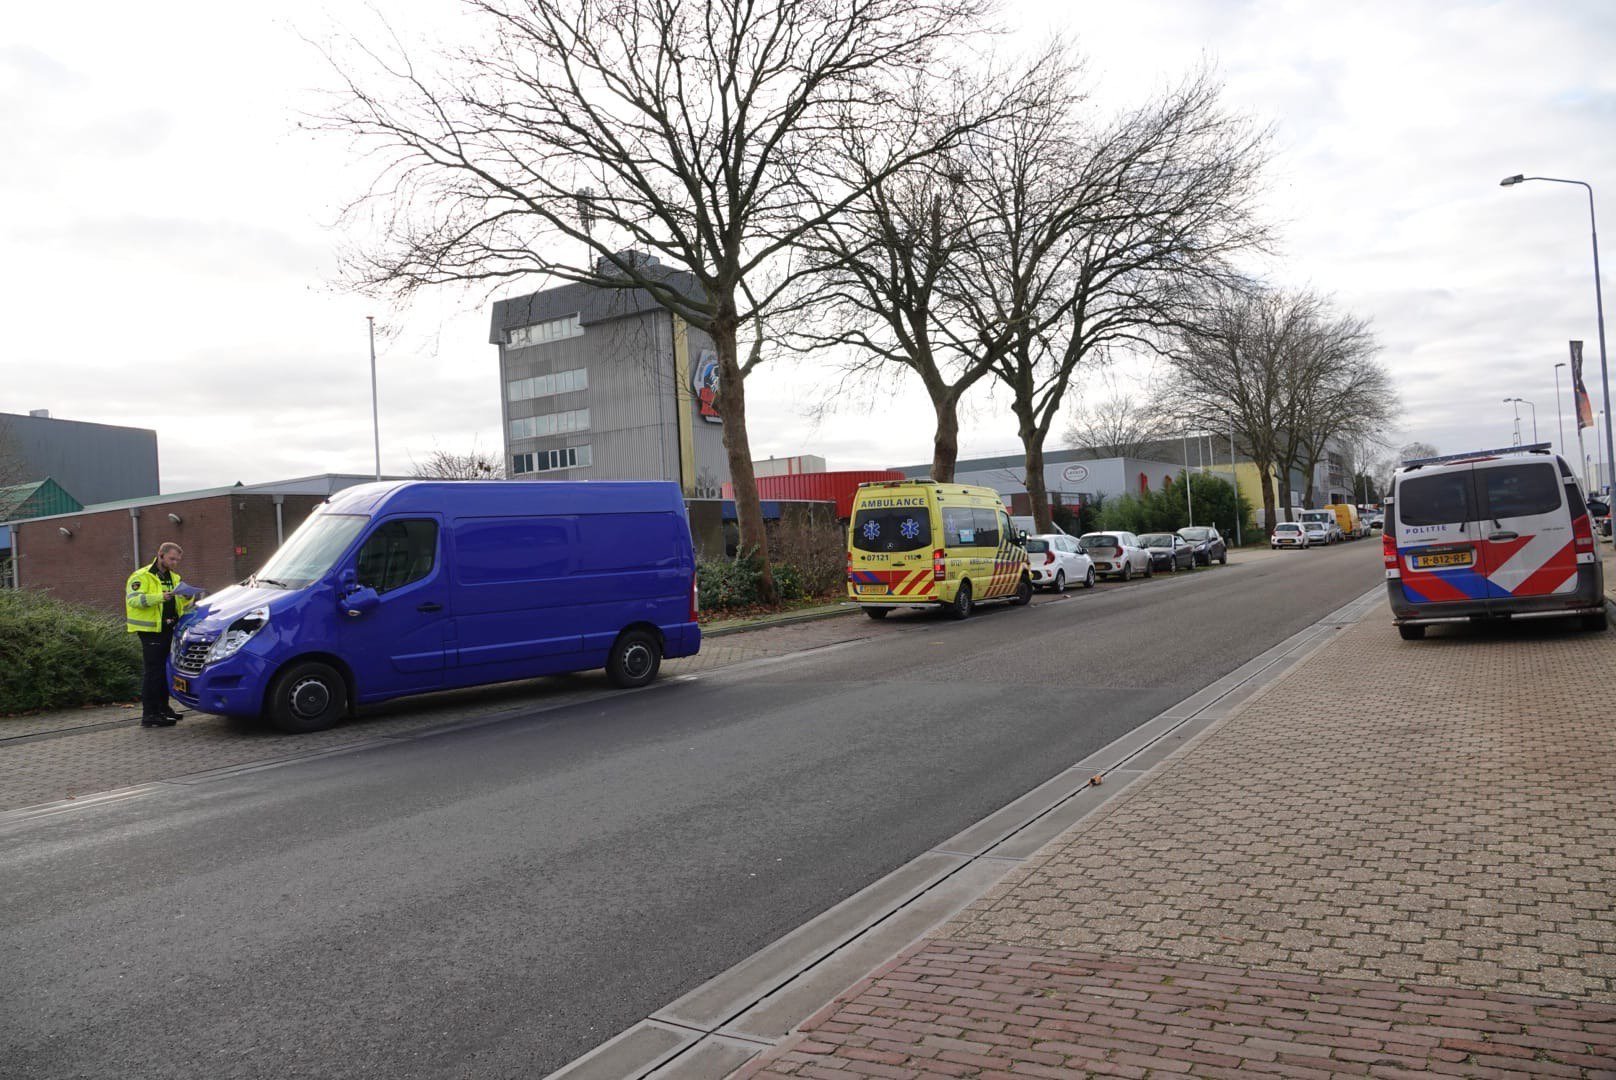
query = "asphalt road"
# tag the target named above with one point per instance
(496, 901)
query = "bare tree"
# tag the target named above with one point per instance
(13, 464)
(1290, 373)
(448, 465)
(1143, 211)
(1122, 425)
(703, 132)
(894, 258)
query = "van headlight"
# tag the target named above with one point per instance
(238, 634)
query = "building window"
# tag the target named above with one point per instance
(521, 463)
(554, 330)
(562, 382)
(561, 423)
(572, 457)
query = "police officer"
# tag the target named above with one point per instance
(152, 607)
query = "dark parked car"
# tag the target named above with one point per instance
(1599, 510)
(1168, 551)
(1207, 544)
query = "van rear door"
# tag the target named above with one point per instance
(1527, 547)
(1438, 537)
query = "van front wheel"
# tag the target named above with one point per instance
(635, 659)
(962, 606)
(306, 697)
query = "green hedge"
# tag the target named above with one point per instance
(55, 655)
(733, 583)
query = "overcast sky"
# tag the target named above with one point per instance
(170, 240)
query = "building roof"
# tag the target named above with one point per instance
(37, 498)
(591, 303)
(324, 484)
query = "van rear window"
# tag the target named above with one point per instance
(1520, 490)
(1443, 499)
(902, 528)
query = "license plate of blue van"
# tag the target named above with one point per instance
(1444, 558)
(182, 685)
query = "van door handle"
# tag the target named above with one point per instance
(430, 606)
(1506, 535)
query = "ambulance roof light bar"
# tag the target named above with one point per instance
(1472, 455)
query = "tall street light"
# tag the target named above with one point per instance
(1599, 295)
(1557, 413)
(1517, 419)
(1523, 401)
(375, 410)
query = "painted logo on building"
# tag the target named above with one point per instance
(704, 381)
(1075, 474)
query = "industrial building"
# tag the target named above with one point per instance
(603, 384)
(92, 462)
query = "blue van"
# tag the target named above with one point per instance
(403, 588)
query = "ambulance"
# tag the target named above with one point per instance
(1490, 534)
(920, 543)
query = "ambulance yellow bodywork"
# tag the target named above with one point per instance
(920, 542)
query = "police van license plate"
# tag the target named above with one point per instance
(1444, 558)
(182, 685)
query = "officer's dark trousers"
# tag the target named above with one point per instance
(154, 688)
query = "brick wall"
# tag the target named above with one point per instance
(91, 566)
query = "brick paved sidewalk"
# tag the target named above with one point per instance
(1400, 860)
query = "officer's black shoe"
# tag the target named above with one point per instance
(157, 721)
(172, 715)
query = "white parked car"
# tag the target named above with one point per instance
(1055, 561)
(1288, 534)
(1318, 533)
(1116, 554)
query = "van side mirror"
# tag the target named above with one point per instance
(350, 581)
(1021, 537)
(360, 600)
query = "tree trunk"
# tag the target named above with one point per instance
(1269, 506)
(731, 404)
(1032, 441)
(945, 443)
(1285, 493)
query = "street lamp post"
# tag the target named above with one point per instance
(1189, 496)
(375, 409)
(1523, 401)
(1599, 294)
(1558, 415)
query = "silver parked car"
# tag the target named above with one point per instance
(1116, 554)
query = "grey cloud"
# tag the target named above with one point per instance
(215, 248)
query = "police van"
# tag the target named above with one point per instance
(923, 543)
(1490, 534)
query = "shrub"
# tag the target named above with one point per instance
(816, 551)
(727, 583)
(1166, 510)
(55, 655)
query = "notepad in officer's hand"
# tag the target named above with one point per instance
(189, 591)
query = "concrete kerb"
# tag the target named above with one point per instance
(751, 1009)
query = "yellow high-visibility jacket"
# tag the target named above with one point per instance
(143, 601)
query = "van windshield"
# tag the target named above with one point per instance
(892, 528)
(310, 551)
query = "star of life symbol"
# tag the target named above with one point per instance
(871, 530)
(910, 528)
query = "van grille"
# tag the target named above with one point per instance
(191, 656)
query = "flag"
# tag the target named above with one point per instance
(1579, 392)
